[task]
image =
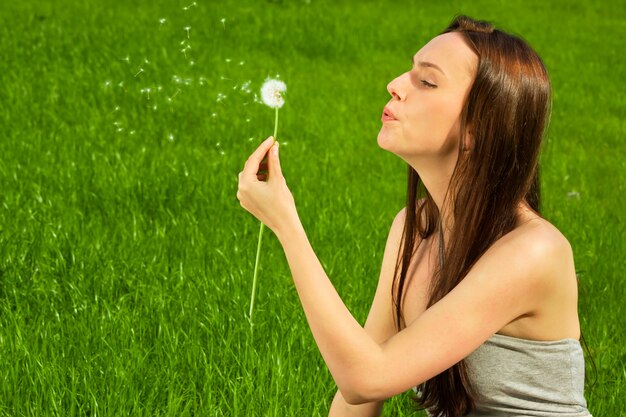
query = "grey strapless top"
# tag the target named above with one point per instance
(519, 377)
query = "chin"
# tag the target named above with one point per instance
(385, 140)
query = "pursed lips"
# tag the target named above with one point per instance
(387, 115)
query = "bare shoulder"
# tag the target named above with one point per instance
(540, 259)
(539, 241)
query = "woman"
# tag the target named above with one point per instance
(476, 305)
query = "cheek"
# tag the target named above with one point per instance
(433, 119)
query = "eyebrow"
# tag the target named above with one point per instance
(429, 65)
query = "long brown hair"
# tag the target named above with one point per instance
(506, 112)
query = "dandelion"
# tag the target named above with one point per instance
(272, 93)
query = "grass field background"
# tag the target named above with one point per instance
(125, 258)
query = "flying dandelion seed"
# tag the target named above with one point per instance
(175, 94)
(228, 60)
(220, 97)
(132, 132)
(139, 72)
(162, 21)
(223, 20)
(146, 91)
(126, 58)
(213, 114)
(250, 139)
(241, 62)
(187, 28)
(192, 63)
(170, 137)
(107, 83)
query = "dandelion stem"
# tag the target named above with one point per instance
(258, 247)
(256, 266)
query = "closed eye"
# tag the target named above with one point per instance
(427, 84)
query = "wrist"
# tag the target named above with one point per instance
(288, 230)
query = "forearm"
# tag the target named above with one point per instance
(347, 349)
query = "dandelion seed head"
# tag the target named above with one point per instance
(272, 93)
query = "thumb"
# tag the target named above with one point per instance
(274, 162)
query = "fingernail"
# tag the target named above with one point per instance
(276, 148)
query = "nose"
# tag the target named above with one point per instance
(394, 89)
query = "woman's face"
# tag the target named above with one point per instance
(427, 100)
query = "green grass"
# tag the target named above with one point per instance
(125, 258)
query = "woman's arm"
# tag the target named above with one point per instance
(510, 280)
(380, 322)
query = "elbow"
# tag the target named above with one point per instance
(361, 392)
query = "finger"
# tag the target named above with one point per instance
(275, 171)
(252, 164)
